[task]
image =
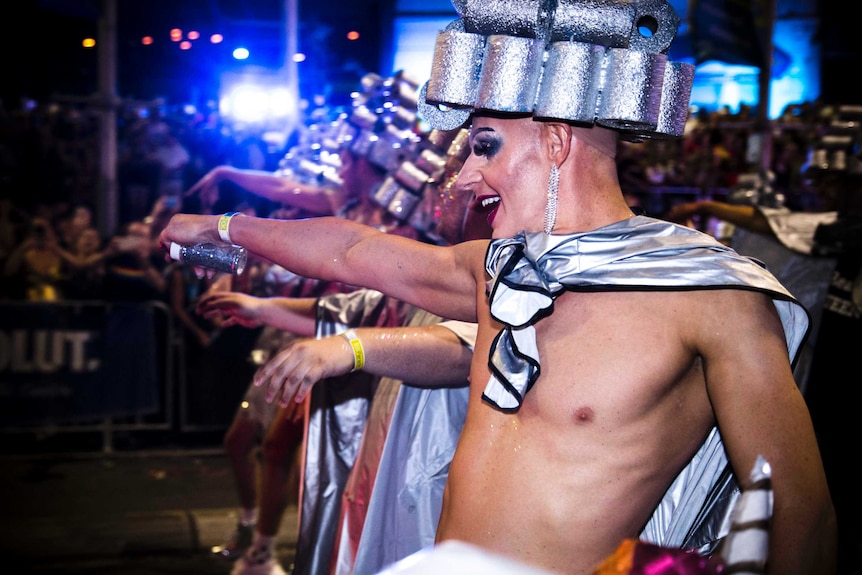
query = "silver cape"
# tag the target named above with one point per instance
(405, 504)
(337, 416)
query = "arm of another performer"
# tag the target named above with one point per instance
(317, 200)
(296, 315)
(429, 356)
(442, 280)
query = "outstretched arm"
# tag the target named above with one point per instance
(317, 200)
(430, 356)
(442, 280)
(747, 217)
(295, 315)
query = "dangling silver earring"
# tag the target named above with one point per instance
(551, 206)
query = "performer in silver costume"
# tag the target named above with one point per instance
(410, 432)
(610, 346)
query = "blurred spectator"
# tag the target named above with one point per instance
(69, 226)
(84, 266)
(34, 266)
(134, 269)
(172, 158)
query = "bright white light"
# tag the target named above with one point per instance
(248, 104)
(240, 53)
(257, 104)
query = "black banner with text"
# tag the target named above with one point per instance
(71, 362)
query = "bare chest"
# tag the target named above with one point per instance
(611, 358)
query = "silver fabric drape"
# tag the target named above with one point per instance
(407, 498)
(337, 415)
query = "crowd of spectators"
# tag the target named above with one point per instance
(51, 249)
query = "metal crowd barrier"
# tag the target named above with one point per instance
(81, 366)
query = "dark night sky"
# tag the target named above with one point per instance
(44, 58)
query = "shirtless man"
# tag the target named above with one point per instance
(609, 346)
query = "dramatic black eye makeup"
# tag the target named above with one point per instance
(485, 143)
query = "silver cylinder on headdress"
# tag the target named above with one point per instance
(341, 132)
(384, 193)
(570, 88)
(675, 91)
(400, 90)
(631, 90)
(363, 142)
(441, 139)
(411, 176)
(371, 82)
(510, 17)
(426, 214)
(431, 163)
(659, 17)
(604, 22)
(404, 118)
(511, 71)
(459, 149)
(390, 147)
(403, 202)
(455, 69)
(363, 117)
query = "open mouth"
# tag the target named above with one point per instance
(488, 205)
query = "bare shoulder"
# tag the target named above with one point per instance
(740, 337)
(734, 312)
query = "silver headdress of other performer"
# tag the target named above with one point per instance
(380, 126)
(591, 62)
(412, 192)
(382, 123)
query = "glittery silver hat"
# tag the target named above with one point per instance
(380, 126)
(590, 62)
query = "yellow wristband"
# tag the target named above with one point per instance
(356, 346)
(224, 226)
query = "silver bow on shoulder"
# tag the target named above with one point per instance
(530, 270)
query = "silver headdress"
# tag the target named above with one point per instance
(599, 62)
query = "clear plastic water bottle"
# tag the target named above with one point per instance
(229, 259)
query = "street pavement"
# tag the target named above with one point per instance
(137, 513)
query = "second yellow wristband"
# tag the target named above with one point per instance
(358, 350)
